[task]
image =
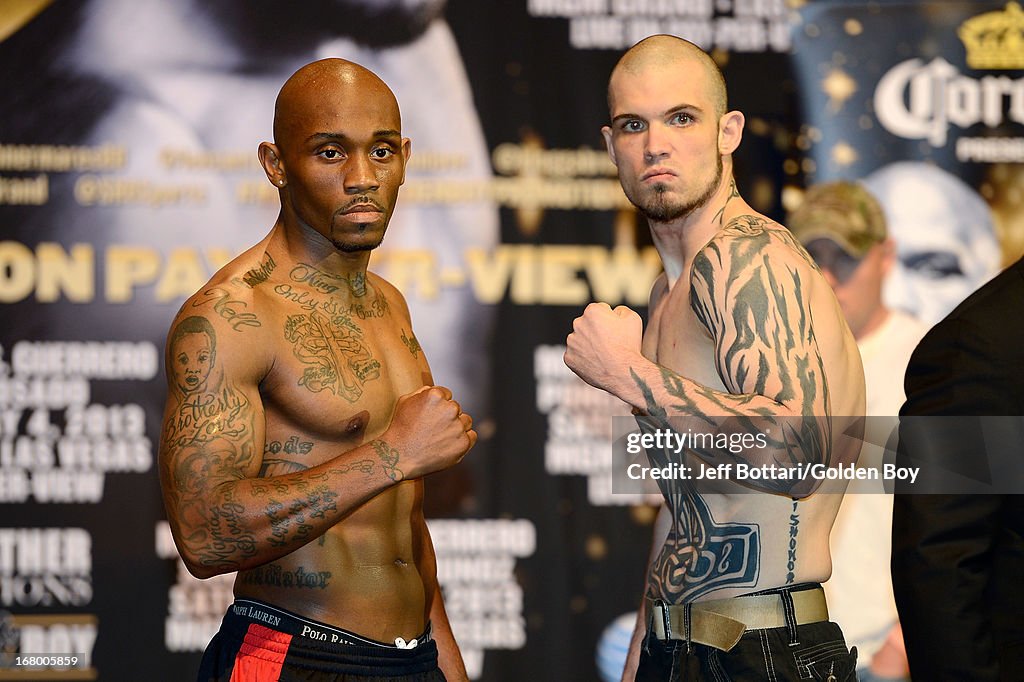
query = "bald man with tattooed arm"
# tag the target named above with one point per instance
(302, 416)
(744, 333)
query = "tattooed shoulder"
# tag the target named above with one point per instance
(231, 301)
(388, 291)
(765, 233)
(411, 343)
(748, 224)
(749, 289)
(746, 243)
(259, 273)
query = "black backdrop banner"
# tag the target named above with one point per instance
(128, 175)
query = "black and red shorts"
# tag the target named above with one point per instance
(262, 643)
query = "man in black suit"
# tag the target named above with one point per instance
(958, 557)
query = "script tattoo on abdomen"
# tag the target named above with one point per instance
(272, 575)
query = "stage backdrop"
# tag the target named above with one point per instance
(128, 175)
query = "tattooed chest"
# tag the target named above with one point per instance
(334, 353)
(336, 380)
(285, 451)
(340, 346)
(305, 427)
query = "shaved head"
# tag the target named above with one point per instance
(661, 51)
(670, 136)
(319, 82)
(338, 156)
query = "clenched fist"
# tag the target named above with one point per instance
(604, 344)
(428, 432)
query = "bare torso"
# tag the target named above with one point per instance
(722, 545)
(340, 354)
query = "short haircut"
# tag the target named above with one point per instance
(659, 49)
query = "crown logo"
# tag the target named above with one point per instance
(995, 40)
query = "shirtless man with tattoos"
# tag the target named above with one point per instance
(302, 416)
(742, 326)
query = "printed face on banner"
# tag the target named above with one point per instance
(344, 156)
(944, 233)
(664, 138)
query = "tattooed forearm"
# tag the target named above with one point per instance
(290, 521)
(389, 457)
(273, 575)
(788, 440)
(223, 542)
(281, 522)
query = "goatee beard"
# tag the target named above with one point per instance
(356, 248)
(659, 210)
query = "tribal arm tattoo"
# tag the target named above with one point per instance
(747, 289)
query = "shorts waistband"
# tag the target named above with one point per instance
(244, 612)
(720, 623)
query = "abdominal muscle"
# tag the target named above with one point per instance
(361, 575)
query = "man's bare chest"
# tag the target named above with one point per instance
(676, 340)
(340, 365)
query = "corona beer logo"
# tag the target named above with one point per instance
(995, 40)
(921, 100)
(917, 100)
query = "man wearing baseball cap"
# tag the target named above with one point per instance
(843, 227)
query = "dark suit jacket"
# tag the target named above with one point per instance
(958, 559)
